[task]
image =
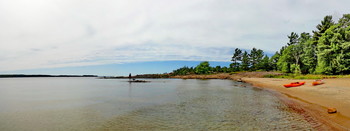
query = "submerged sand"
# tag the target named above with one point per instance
(334, 93)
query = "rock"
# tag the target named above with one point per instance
(331, 110)
(138, 81)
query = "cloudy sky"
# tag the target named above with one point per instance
(50, 34)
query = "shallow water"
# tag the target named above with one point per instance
(163, 104)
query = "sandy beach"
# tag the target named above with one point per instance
(334, 93)
(315, 100)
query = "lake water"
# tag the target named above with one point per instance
(163, 104)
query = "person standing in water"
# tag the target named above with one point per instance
(129, 76)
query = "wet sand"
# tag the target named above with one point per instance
(312, 101)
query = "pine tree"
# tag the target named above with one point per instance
(256, 56)
(237, 56)
(265, 64)
(321, 28)
(245, 65)
(273, 60)
(293, 38)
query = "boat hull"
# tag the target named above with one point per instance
(294, 84)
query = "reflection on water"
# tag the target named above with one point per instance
(163, 104)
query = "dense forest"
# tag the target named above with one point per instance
(325, 51)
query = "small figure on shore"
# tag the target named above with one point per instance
(129, 76)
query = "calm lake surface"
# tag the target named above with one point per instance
(163, 104)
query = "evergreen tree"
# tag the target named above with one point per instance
(293, 38)
(333, 49)
(245, 65)
(265, 64)
(237, 56)
(308, 58)
(273, 60)
(256, 56)
(321, 28)
(304, 37)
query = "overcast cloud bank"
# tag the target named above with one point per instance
(59, 33)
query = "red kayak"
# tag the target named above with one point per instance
(294, 84)
(317, 82)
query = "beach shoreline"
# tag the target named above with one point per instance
(310, 101)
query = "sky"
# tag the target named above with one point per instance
(107, 37)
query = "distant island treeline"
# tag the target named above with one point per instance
(165, 75)
(23, 75)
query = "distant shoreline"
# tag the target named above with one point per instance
(148, 76)
(25, 76)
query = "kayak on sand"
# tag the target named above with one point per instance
(294, 84)
(317, 82)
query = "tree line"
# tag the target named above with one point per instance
(255, 60)
(202, 68)
(325, 51)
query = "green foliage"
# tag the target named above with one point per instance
(245, 61)
(293, 38)
(273, 61)
(217, 69)
(256, 56)
(309, 57)
(295, 68)
(333, 49)
(326, 52)
(285, 60)
(225, 69)
(183, 71)
(265, 64)
(237, 56)
(203, 68)
(256, 60)
(321, 28)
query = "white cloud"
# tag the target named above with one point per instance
(58, 33)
